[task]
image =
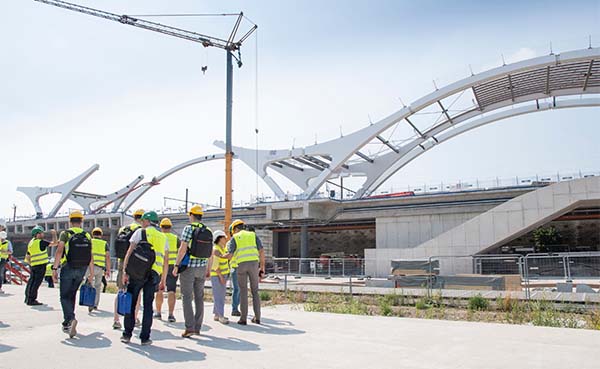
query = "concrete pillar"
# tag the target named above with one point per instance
(111, 241)
(304, 248)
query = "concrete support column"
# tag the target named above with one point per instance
(304, 248)
(111, 241)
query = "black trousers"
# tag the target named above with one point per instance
(50, 281)
(35, 281)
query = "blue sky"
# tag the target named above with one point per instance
(77, 90)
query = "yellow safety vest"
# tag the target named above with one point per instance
(195, 225)
(173, 241)
(48, 270)
(133, 226)
(75, 230)
(4, 250)
(37, 256)
(99, 252)
(158, 240)
(246, 249)
(221, 263)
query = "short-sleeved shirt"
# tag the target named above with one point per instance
(231, 246)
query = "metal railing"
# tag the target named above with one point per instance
(320, 267)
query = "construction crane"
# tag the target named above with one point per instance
(230, 46)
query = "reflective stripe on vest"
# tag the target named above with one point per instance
(99, 252)
(4, 250)
(246, 249)
(221, 263)
(37, 256)
(158, 240)
(48, 270)
(173, 241)
(196, 225)
(75, 230)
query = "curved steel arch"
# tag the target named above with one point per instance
(572, 73)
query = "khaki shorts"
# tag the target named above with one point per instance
(120, 275)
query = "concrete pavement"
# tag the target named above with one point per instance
(289, 338)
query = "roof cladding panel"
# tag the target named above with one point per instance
(541, 80)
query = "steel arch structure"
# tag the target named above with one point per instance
(532, 85)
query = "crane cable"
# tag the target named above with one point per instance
(256, 106)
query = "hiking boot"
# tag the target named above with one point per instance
(197, 333)
(125, 339)
(255, 321)
(236, 313)
(147, 342)
(223, 320)
(117, 325)
(73, 330)
(138, 323)
(158, 316)
(187, 334)
(242, 322)
(172, 319)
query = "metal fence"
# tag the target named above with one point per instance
(319, 267)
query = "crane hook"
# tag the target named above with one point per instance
(204, 69)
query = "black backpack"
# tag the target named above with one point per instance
(201, 245)
(122, 242)
(141, 259)
(80, 249)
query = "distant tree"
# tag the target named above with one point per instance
(544, 237)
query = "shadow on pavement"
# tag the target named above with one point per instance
(4, 325)
(231, 343)
(101, 313)
(6, 348)
(167, 355)
(95, 340)
(266, 329)
(43, 308)
(277, 322)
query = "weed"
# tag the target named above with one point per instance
(385, 308)
(478, 303)
(264, 295)
(422, 303)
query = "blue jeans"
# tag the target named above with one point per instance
(148, 286)
(70, 280)
(235, 295)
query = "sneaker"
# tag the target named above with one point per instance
(236, 313)
(117, 325)
(125, 339)
(34, 303)
(73, 330)
(197, 333)
(223, 320)
(216, 318)
(90, 309)
(138, 323)
(172, 319)
(66, 327)
(187, 334)
(157, 316)
(242, 322)
(147, 342)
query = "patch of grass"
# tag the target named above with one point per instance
(593, 320)
(478, 303)
(385, 308)
(264, 295)
(394, 299)
(422, 303)
(336, 304)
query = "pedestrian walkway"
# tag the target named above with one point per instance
(289, 338)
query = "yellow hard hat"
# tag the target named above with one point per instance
(234, 224)
(166, 222)
(138, 213)
(76, 214)
(97, 230)
(196, 210)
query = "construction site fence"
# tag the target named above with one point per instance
(319, 267)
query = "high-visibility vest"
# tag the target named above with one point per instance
(75, 230)
(133, 226)
(37, 256)
(4, 249)
(99, 252)
(158, 240)
(48, 270)
(196, 225)
(221, 263)
(246, 249)
(173, 241)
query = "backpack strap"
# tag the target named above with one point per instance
(144, 236)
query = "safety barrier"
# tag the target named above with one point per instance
(18, 272)
(319, 267)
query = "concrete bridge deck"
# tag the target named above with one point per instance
(289, 338)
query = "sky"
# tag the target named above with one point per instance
(78, 90)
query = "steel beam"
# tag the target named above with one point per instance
(388, 144)
(588, 74)
(444, 111)
(363, 156)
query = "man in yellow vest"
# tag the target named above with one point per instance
(101, 256)
(156, 278)
(137, 223)
(37, 252)
(166, 227)
(74, 257)
(48, 275)
(247, 250)
(5, 252)
(193, 278)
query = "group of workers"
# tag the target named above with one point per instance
(239, 258)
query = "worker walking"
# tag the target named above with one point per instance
(247, 250)
(121, 246)
(101, 256)
(218, 265)
(48, 275)
(165, 227)
(5, 252)
(74, 256)
(153, 275)
(196, 240)
(37, 255)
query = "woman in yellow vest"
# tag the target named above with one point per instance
(219, 273)
(101, 256)
(5, 252)
(166, 227)
(37, 254)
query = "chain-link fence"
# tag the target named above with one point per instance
(320, 267)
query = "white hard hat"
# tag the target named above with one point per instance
(218, 234)
(3, 235)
